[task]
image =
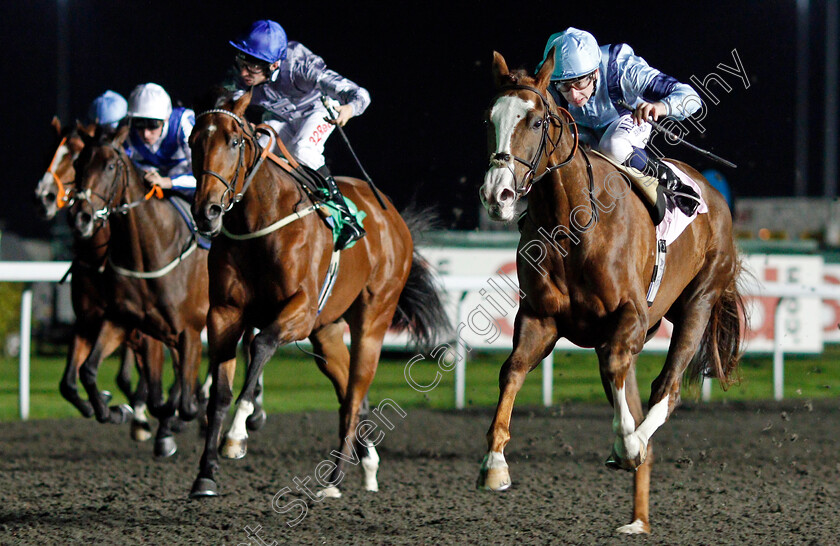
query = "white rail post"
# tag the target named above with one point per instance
(778, 353)
(461, 355)
(548, 378)
(706, 388)
(25, 335)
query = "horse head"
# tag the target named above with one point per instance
(55, 188)
(221, 141)
(524, 131)
(103, 183)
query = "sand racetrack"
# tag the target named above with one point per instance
(755, 473)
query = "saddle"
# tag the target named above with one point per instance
(184, 209)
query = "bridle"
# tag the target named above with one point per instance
(250, 133)
(64, 195)
(104, 213)
(550, 118)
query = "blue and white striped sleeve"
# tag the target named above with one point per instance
(641, 82)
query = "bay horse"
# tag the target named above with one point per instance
(269, 277)
(585, 259)
(54, 192)
(156, 278)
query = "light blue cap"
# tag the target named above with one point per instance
(108, 109)
(576, 54)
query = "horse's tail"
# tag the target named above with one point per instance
(420, 309)
(720, 349)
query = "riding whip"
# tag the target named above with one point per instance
(679, 139)
(333, 116)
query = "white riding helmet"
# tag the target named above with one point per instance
(577, 54)
(149, 100)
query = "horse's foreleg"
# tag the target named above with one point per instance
(124, 373)
(534, 339)
(190, 350)
(223, 335)
(148, 353)
(80, 348)
(641, 478)
(221, 395)
(110, 337)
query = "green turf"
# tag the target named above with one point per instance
(293, 382)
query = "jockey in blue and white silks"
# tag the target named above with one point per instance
(158, 142)
(592, 79)
(287, 82)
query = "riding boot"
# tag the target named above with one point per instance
(350, 229)
(684, 196)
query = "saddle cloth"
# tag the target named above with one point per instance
(675, 220)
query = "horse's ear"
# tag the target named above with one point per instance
(56, 124)
(544, 75)
(501, 74)
(120, 136)
(242, 104)
(86, 137)
(90, 128)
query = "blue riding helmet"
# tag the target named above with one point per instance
(577, 54)
(266, 40)
(109, 109)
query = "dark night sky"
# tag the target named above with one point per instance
(427, 67)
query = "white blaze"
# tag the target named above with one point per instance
(505, 116)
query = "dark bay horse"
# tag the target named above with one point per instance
(156, 278)
(272, 282)
(590, 249)
(54, 192)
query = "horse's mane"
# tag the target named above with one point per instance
(520, 76)
(216, 96)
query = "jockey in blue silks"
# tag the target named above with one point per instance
(287, 82)
(591, 79)
(108, 110)
(158, 142)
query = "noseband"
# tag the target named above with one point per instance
(230, 194)
(550, 118)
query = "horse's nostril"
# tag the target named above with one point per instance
(506, 195)
(213, 211)
(85, 218)
(49, 198)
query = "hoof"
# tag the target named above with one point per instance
(638, 527)
(120, 415)
(140, 431)
(106, 397)
(204, 487)
(615, 462)
(256, 420)
(494, 479)
(165, 447)
(331, 492)
(234, 449)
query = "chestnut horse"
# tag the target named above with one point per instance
(585, 260)
(156, 278)
(272, 280)
(54, 192)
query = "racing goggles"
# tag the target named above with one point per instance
(579, 84)
(146, 123)
(250, 64)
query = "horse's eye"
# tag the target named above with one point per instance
(538, 124)
(112, 166)
(234, 142)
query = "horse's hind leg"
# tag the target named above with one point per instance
(333, 359)
(533, 340)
